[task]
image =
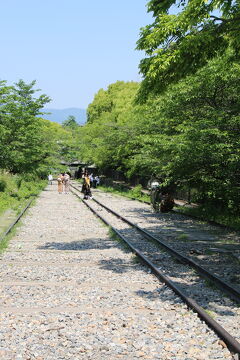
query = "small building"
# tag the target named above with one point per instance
(77, 167)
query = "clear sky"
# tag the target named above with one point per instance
(72, 48)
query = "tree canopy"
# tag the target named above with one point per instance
(179, 44)
(21, 147)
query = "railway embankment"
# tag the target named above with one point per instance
(212, 214)
(69, 290)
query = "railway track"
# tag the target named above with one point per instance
(11, 226)
(146, 247)
(216, 261)
(174, 269)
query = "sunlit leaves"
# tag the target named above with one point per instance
(21, 145)
(177, 45)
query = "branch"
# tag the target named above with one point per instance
(224, 20)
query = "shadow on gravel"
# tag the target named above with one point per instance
(79, 245)
(118, 266)
(166, 294)
(182, 224)
(215, 303)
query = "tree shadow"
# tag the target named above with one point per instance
(193, 288)
(164, 293)
(79, 245)
(183, 224)
(121, 266)
(118, 265)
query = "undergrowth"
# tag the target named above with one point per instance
(135, 193)
(205, 213)
(210, 213)
(15, 190)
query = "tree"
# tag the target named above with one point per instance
(104, 135)
(21, 144)
(193, 134)
(70, 123)
(179, 44)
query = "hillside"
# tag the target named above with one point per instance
(59, 115)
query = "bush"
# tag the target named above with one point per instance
(137, 191)
(3, 185)
(15, 190)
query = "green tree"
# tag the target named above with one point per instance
(70, 123)
(178, 44)
(105, 133)
(193, 137)
(21, 141)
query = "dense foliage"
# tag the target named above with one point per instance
(30, 144)
(104, 138)
(15, 190)
(185, 128)
(21, 146)
(177, 45)
(188, 136)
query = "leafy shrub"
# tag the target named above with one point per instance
(137, 191)
(17, 189)
(3, 185)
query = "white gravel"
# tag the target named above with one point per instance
(69, 291)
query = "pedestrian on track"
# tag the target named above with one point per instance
(66, 182)
(86, 187)
(60, 183)
(50, 179)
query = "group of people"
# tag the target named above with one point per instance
(94, 181)
(63, 181)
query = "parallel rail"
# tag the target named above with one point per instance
(233, 293)
(231, 342)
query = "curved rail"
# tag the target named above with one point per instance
(232, 343)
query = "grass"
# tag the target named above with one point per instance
(15, 191)
(210, 284)
(209, 213)
(4, 243)
(183, 237)
(115, 237)
(211, 313)
(136, 259)
(135, 193)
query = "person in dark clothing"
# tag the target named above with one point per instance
(86, 187)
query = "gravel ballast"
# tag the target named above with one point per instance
(70, 291)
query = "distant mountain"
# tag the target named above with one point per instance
(60, 115)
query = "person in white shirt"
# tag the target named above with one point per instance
(50, 179)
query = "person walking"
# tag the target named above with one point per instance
(66, 182)
(86, 187)
(50, 179)
(91, 180)
(60, 183)
(97, 180)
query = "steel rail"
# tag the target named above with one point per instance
(222, 285)
(211, 222)
(233, 293)
(15, 221)
(230, 341)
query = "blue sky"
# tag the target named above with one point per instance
(71, 48)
